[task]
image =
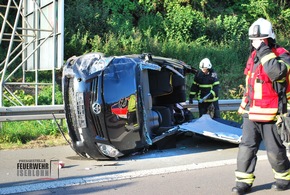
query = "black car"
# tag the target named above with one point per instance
(117, 105)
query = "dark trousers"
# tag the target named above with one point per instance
(203, 108)
(132, 118)
(253, 134)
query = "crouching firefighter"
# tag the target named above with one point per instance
(264, 99)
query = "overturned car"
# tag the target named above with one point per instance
(117, 105)
(121, 104)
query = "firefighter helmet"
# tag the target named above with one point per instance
(261, 29)
(205, 63)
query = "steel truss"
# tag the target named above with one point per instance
(32, 37)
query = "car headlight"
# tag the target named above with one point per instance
(109, 150)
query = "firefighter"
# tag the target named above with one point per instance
(132, 123)
(263, 100)
(205, 88)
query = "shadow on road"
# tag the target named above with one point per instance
(187, 143)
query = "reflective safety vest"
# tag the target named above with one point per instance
(132, 103)
(260, 92)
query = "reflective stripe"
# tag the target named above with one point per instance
(205, 86)
(281, 81)
(208, 85)
(216, 83)
(252, 75)
(288, 96)
(262, 114)
(284, 176)
(256, 109)
(213, 93)
(258, 91)
(243, 103)
(267, 58)
(242, 110)
(248, 181)
(261, 118)
(211, 100)
(287, 65)
(247, 81)
(245, 177)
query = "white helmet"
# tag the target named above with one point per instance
(205, 63)
(261, 29)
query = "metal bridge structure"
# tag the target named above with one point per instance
(31, 42)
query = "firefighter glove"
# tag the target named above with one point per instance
(283, 127)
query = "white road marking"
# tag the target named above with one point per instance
(114, 177)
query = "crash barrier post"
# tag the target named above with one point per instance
(45, 112)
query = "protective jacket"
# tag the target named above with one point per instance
(204, 84)
(266, 75)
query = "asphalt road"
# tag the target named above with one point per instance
(196, 166)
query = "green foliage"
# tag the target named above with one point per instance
(151, 6)
(17, 97)
(23, 131)
(83, 19)
(199, 25)
(232, 116)
(78, 43)
(233, 28)
(43, 76)
(284, 23)
(262, 8)
(45, 96)
(122, 15)
(178, 22)
(20, 97)
(182, 20)
(152, 25)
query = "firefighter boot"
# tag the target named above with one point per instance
(281, 185)
(241, 188)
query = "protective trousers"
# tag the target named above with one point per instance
(204, 108)
(253, 134)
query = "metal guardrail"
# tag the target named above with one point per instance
(25, 113)
(225, 105)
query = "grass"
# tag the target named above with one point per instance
(41, 141)
(31, 134)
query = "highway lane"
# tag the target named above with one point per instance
(203, 181)
(191, 154)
